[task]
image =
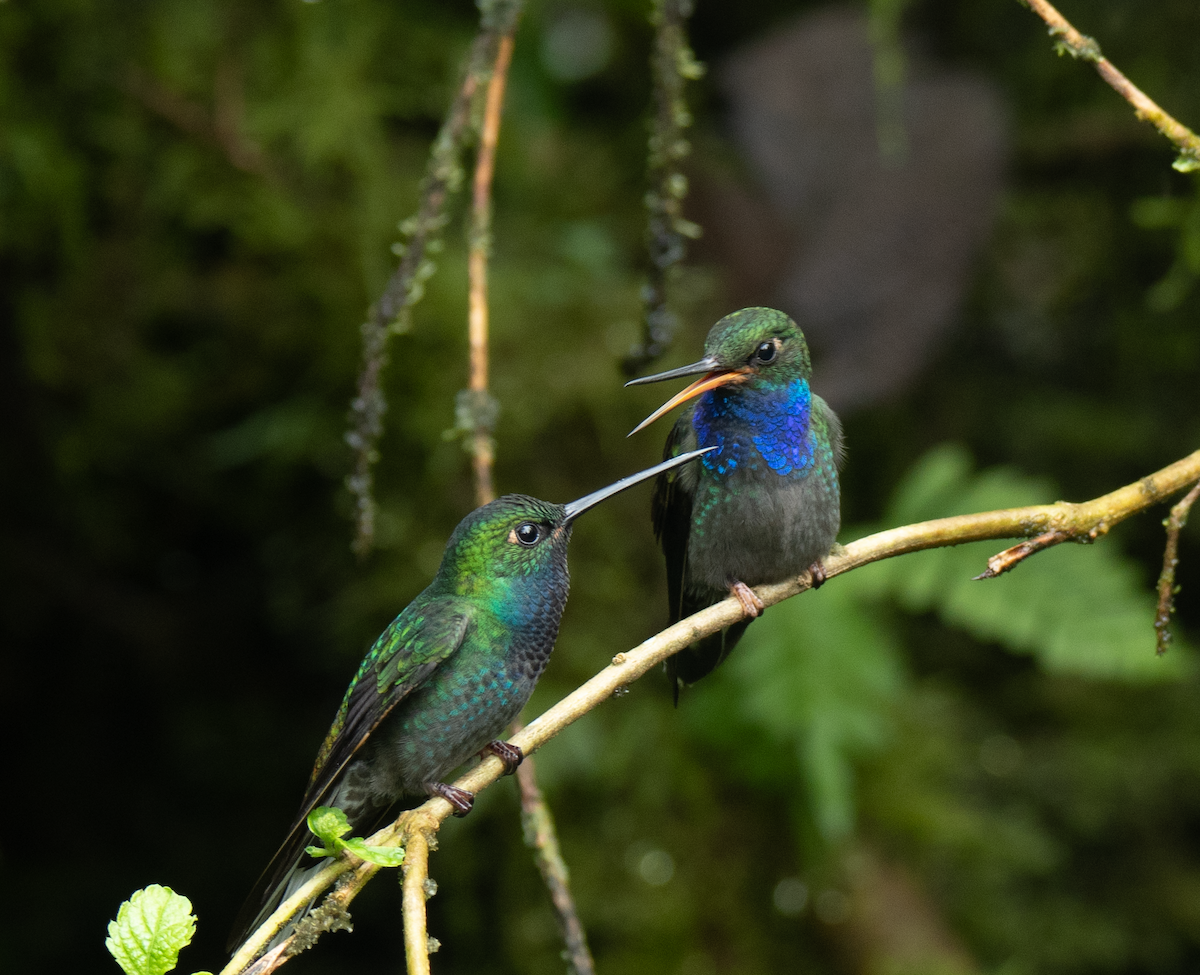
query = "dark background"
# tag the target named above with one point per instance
(901, 772)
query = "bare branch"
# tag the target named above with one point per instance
(1147, 110)
(482, 412)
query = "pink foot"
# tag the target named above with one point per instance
(751, 604)
(817, 572)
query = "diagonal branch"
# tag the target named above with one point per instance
(1147, 110)
(1075, 521)
(402, 290)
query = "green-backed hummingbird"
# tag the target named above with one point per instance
(765, 504)
(446, 678)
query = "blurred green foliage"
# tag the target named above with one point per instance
(197, 204)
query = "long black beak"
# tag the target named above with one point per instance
(576, 508)
(707, 364)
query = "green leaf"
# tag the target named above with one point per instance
(328, 824)
(151, 928)
(1186, 162)
(384, 856)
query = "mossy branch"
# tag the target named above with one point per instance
(407, 284)
(672, 64)
(1081, 522)
(1166, 580)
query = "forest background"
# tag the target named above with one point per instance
(906, 770)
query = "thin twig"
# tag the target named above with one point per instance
(1147, 110)
(1166, 580)
(478, 419)
(1075, 521)
(1010, 558)
(482, 412)
(541, 836)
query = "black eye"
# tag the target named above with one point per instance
(528, 534)
(765, 352)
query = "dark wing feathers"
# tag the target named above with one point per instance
(671, 512)
(402, 659)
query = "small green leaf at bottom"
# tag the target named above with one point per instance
(330, 824)
(151, 928)
(384, 856)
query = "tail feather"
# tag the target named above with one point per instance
(285, 874)
(291, 867)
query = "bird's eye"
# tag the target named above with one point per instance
(528, 534)
(765, 352)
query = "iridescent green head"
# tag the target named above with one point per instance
(518, 536)
(759, 341)
(754, 347)
(515, 535)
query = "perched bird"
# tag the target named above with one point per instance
(445, 679)
(765, 504)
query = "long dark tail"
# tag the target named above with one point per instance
(286, 872)
(703, 656)
(291, 867)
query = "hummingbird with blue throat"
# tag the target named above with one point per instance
(765, 504)
(446, 678)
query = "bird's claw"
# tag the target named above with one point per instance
(510, 755)
(752, 606)
(460, 799)
(816, 573)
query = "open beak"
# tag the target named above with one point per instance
(714, 377)
(576, 508)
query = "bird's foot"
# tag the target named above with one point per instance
(816, 572)
(510, 755)
(752, 606)
(460, 799)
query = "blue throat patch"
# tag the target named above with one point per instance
(782, 439)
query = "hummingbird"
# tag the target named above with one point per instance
(765, 504)
(445, 679)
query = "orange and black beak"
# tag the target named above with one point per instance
(713, 377)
